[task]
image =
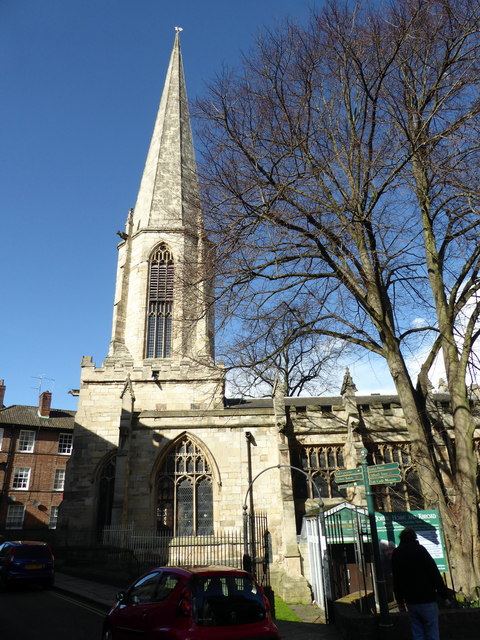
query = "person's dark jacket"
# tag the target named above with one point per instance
(416, 578)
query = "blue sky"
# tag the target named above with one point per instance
(81, 82)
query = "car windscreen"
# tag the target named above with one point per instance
(227, 600)
(32, 551)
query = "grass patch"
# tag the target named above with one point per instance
(283, 611)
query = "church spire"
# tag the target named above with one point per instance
(168, 197)
(162, 308)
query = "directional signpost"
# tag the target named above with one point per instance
(372, 475)
(376, 474)
(384, 473)
(348, 475)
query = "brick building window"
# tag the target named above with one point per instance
(65, 443)
(21, 478)
(52, 523)
(26, 441)
(160, 303)
(184, 491)
(59, 481)
(15, 516)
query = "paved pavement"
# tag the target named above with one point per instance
(104, 595)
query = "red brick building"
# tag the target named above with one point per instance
(35, 446)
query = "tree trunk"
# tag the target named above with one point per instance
(457, 505)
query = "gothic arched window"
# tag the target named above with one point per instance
(184, 491)
(320, 463)
(402, 496)
(160, 303)
(106, 484)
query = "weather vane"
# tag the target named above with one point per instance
(177, 29)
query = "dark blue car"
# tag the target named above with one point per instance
(26, 561)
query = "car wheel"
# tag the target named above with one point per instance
(107, 634)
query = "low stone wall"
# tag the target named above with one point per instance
(101, 564)
(351, 622)
(460, 623)
(353, 625)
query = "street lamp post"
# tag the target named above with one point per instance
(320, 519)
(253, 552)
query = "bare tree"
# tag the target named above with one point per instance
(267, 349)
(341, 173)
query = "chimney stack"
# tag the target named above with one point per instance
(2, 392)
(44, 404)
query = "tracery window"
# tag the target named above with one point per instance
(160, 303)
(184, 491)
(320, 463)
(106, 485)
(405, 495)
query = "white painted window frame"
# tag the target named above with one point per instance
(26, 441)
(21, 478)
(13, 520)
(65, 443)
(59, 480)
(52, 524)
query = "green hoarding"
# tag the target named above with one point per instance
(345, 525)
(426, 524)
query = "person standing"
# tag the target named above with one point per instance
(417, 583)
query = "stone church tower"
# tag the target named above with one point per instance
(161, 351)
(161, 311)
(156, 445)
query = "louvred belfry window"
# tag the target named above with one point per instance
(160, 303)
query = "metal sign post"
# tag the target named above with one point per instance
(384, 621)
(376, 474)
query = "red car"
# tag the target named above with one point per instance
(199, 603)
